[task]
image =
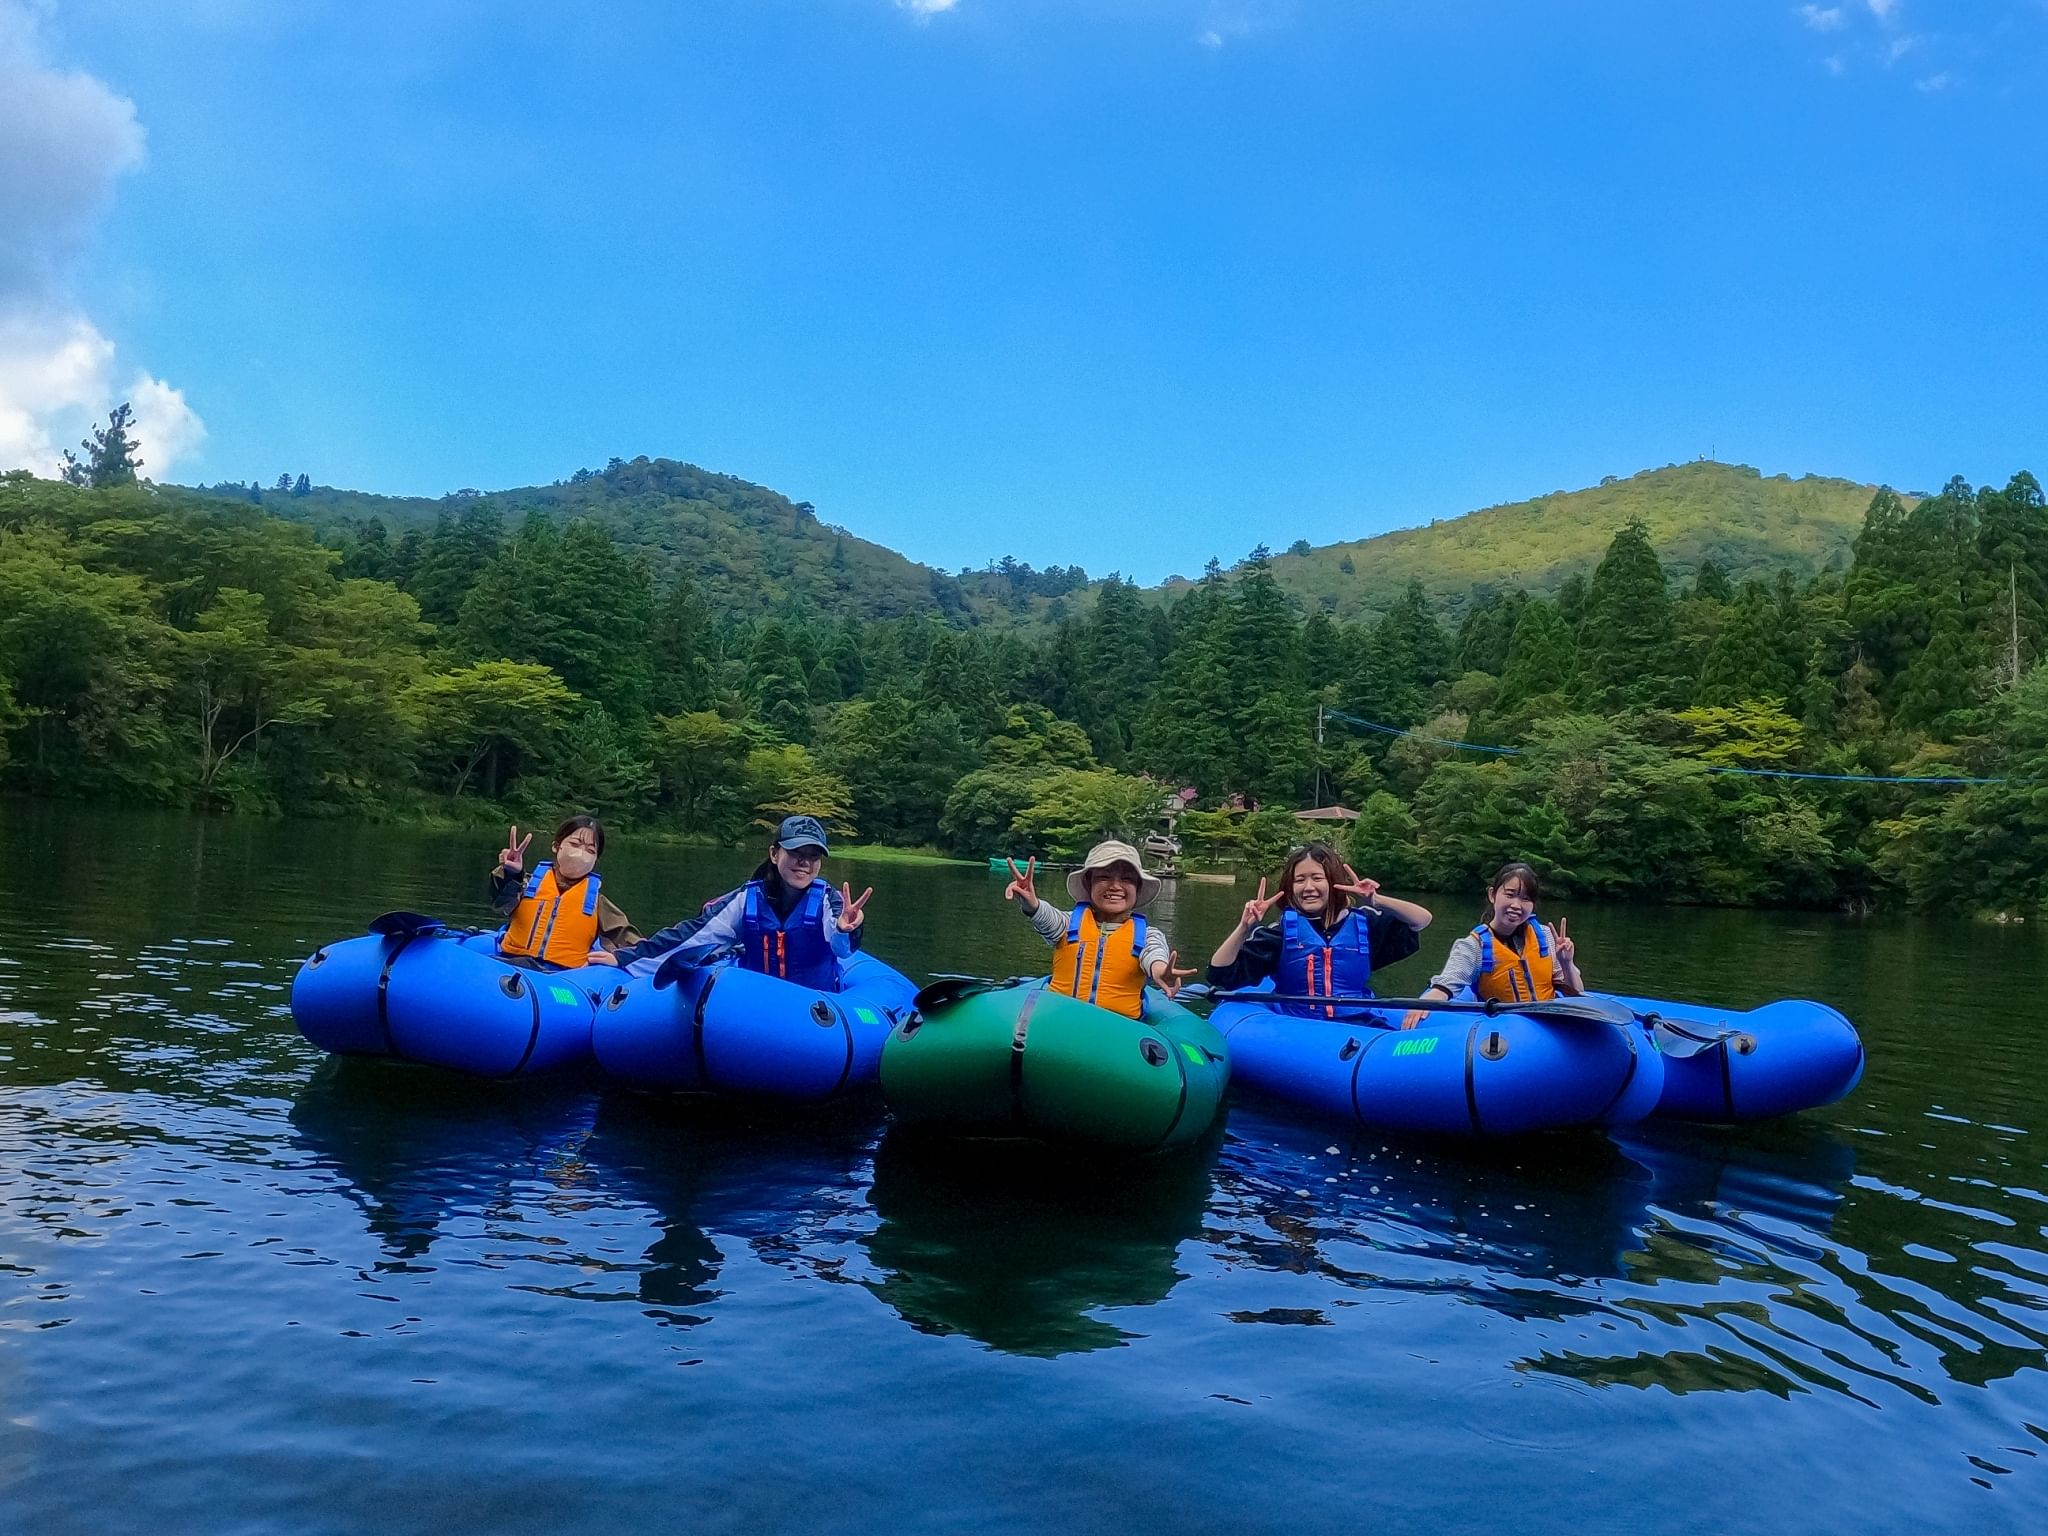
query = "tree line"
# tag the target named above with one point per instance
(189, 651)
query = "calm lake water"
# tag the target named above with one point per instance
(245, 1288)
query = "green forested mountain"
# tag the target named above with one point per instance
(1727, 513)
(751, 550)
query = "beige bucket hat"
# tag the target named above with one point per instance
(1101, 856)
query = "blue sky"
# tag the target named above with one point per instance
(1130, 282)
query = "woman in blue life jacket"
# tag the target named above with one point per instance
(784, 921)
(1334, 931)
(556, 918)
(1512, 956)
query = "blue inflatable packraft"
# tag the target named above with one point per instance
(1454, 1074)
(417, 991)
(722, 1029)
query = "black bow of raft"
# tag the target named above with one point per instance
(405, 925)
(946, 988)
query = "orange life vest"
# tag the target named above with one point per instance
(553, 923)
(1100, 965)
(1520, 972)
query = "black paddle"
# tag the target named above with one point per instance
(946, 989)
(1563, 1010)
(1678, 1041)
(673, 969)
(406, 925)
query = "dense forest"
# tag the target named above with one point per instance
(179, 649)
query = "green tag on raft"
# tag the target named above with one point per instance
(867, 1015)
(1418, 1047)
(563, 994)
(1193, 1053)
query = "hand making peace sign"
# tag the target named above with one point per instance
(1021, 887)
(1173, 977)
(1364, 890)
(512, 857)
(1565, 947)
(850, 914)
(1256, 909)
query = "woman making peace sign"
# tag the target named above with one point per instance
(1322, 946)
(556, 917)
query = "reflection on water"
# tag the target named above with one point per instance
(233, 1275)
(1017, 1247)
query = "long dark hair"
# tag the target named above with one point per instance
(1516, 871)
(1333, 870)
(577, 824)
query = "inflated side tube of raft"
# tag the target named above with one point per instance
(442, 998)
(1453, 1075)
(1022, 1060)
(723, 1029)
(1727, 1065)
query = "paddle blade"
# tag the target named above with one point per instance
(677, 967)
(950, 989)
(1578, 1010)
(405, 925)
(1679, 1041)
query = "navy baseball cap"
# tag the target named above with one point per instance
(801, 832)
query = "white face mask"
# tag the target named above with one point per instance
(573, 861)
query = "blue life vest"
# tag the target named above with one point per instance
(796, 949)
(1337, 966)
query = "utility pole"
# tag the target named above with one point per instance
(2012, 650)
(1319, 758)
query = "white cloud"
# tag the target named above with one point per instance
(925, 10)
(1882, 9)
(1940, 82)
(52, 370)
(66, 140)
(1823, 19)
(166, 428)
(1833, 63)
(1225, 21)
(1901, 46)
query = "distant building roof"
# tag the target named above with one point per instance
(1327, 813)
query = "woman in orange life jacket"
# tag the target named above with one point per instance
(1103, 952)
(558, 917)
(1512, 956)
(1334, 931)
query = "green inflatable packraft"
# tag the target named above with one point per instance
(1023, 1060)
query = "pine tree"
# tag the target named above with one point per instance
(451, 559)
(1744, 661)
(679, 649)
(1626, 638)
(1540, 656)
(1710, 583)
(109, 454)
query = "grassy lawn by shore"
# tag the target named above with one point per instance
(877, 853)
